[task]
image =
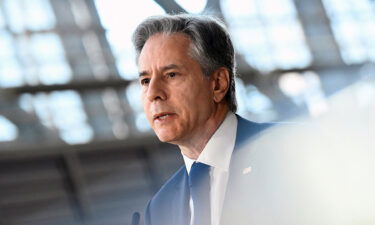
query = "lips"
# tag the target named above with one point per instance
(163, 115)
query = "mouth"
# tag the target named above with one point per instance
(162, 116)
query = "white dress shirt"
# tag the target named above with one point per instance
(217, 154)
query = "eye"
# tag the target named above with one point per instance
(172, 74)
(145, 81)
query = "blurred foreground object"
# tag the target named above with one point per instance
(312, 171)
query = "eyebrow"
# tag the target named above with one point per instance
(164, 68)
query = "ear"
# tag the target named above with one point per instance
(220, 81)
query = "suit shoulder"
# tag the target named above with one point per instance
(247, 129)
(161, 207)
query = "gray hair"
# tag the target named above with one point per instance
(211, 44)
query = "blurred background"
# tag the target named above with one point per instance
(75, 146)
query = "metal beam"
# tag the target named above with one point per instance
(318, 32)
(77, 86)
(21, 151)
(170, 6)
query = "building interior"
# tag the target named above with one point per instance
(75, 145)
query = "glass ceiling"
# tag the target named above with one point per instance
(267, 33)
(353, 24)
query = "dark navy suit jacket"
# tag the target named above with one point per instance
(167, 206)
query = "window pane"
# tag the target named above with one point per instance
(6, 46)
(192, 6)
(272, 8)
(63, 110)
(49, 54)
(14, 9)
(38, 15)
(10, 71)
(119, 32)
(267, 32)
(47, 47)
(354, 28)
(8, 131)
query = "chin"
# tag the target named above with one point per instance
(166, 139)
(163, 137)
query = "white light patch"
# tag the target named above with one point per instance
(192, 6)
(8, 131)
(246, 170)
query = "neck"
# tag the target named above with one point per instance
(193, 147)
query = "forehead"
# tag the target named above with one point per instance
(165, 47)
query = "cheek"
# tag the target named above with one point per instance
(193, 97)
(185, 100)
(146, 108)
(144, 104)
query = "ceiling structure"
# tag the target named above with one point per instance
(68, 74)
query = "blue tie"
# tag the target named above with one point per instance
(199, 183)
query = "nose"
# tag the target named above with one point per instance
(156, 90)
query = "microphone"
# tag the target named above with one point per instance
(135, 218)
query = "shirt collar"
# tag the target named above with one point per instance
(218, 151)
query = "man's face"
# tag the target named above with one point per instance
(177, 98)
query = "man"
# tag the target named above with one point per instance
(236, 171)
(186, 70)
